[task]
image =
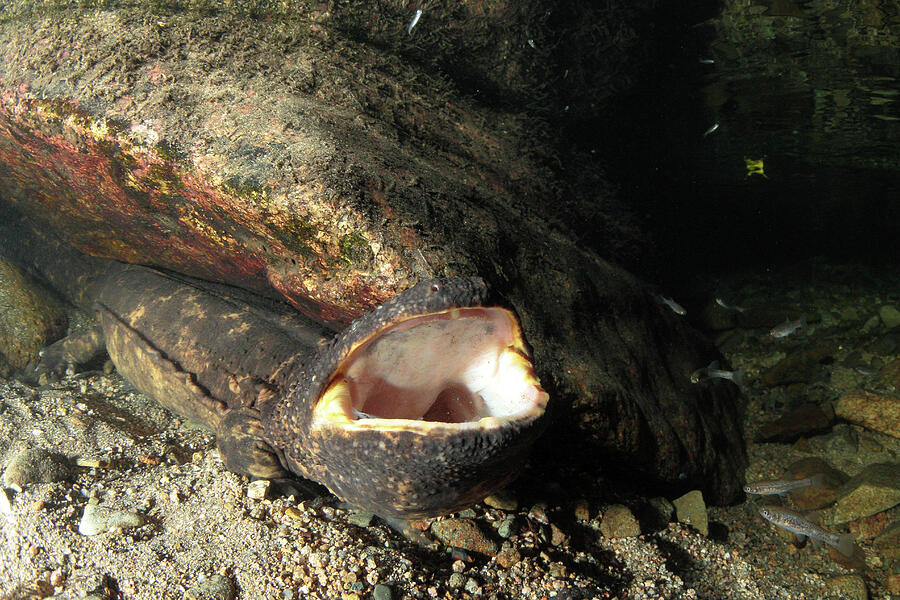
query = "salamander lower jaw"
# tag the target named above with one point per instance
(430, 414)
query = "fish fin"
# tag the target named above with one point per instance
(815, 542)
(846, 544)
(799, 537)
(738, 378)
(802, 321)
(713, 365)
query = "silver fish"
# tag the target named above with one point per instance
(713, 372)
(676, 308)
(726, 306)
(707, 61)
(787, 328)
(783, 486)
(415, 20)
(800, 525)
(711, 129)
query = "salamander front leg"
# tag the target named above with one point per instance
(75, 350)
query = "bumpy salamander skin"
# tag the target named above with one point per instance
(397, 473)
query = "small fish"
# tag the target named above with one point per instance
(787, 328)
(531, 43)
(797, 523)
(707, 61)
(783, 486)
(676, 308)
(711, 129)
(867, 371)
(722, 303)
(713, 372)
(415, 20)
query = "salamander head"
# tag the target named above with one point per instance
(422, 406)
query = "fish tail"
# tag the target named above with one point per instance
(846, 544)
(738, 378)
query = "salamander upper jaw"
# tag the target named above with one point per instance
(430, 413)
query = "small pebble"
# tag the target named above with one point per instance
(508, 556)
(471, 585)
(465, 534)
(216, 587)
(360, 519)
(502, 500)
(691, 510)
(35, 465)
(538, 513)
(257, 490)
(457, 580)
(100, 520)
(890, 316)
(506, 527)
(558, 570)
(619, 522)
(557, 536)
(582, 511)
(848, 587)
(381, 592)
(293, 513)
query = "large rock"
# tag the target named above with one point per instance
(878, 412)
(282, 156)
(819, 496)
(805, 420)
(30, 318)
(876, 488)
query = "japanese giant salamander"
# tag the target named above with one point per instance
(420, 407)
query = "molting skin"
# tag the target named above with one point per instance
(422, 406)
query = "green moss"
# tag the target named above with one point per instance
(355, 249)
(167, 151)
(296, 235)
(249, 188)
(164, 178)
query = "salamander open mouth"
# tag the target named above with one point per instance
(463, 365)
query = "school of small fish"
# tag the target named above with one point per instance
(785, 518)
